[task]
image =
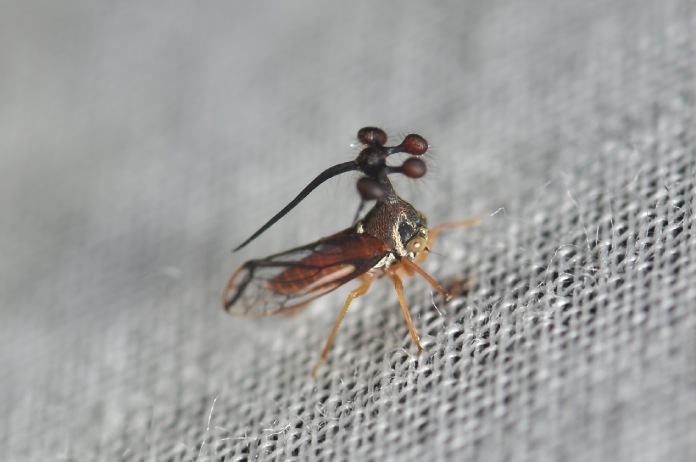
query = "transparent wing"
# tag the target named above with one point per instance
(292, 279)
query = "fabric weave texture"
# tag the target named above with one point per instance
(141, 141)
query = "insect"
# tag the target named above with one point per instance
(390, 240)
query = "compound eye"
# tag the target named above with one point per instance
(416, 245)
(372, 136)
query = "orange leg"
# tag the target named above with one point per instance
(409, 267)
(366, 279)
(412, 267)
(398, 285)
(435, 232)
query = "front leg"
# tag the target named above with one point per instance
(435, 232)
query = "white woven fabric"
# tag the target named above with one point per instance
(141, 141)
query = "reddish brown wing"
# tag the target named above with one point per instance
(291, 279)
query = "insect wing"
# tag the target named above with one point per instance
(293, 278)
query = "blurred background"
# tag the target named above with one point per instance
(141, 141)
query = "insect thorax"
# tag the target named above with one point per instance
(396, 223)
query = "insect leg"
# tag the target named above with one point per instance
(435, 232)
(398, 285)
(366, 279)
(436, 285)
